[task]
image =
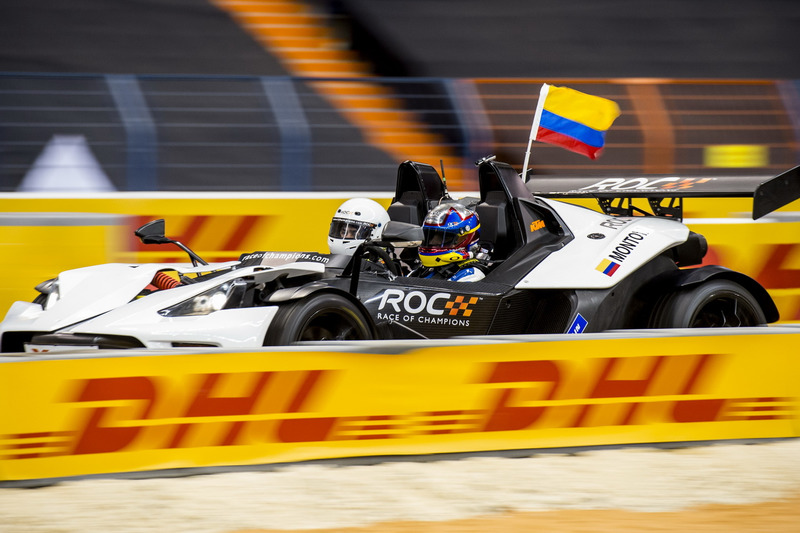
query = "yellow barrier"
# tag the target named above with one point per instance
(144, 412)
(217, 227)
(37, 246)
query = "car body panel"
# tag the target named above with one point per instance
(608, 249)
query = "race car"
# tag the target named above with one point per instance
(554, 267)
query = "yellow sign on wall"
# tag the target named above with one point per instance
(736, 156)
(137, 412)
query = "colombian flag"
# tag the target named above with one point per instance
(573, 120)
(607, 267)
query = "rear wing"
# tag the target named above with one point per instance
(665, 194)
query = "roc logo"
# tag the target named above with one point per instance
(416, 302)
(417, 307)
(461, 305)
(646, 184)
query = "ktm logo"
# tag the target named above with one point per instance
(536, 225)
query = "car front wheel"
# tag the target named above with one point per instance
(320, 317)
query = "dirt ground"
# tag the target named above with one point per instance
(732, 487)
(775, 517)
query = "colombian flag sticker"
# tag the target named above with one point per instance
(608, 267)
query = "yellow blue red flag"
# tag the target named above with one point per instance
(573, 120)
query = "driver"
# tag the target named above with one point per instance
(362, 221)
(450, 248)
(355, 221)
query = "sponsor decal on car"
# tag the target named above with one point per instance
(536, 225)
(578, 325)
(282, 258)
(620, 252)
(645, 184)
(416, 306)
(615, 223)
(627, 245)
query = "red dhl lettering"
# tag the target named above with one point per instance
(775, 273)
(225, 242)
(146, 412)
(585, 403)
(272, 395)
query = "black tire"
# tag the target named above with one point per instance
(715, 303)
(320, 317)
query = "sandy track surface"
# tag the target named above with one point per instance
(772, 517)
(589, 491)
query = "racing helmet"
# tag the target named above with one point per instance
(450, 235)
(355, 221)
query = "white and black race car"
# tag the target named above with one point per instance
(554, 267)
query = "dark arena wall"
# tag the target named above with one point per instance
(470, 38)
(583, 38)
(127, 37)
(180, 95)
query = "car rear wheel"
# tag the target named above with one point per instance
(714, 304)
(320, 317)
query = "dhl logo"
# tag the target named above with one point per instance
(146, 413)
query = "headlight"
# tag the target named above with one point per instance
(226, 296)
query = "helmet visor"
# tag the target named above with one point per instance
(342, 228)
(440, 238)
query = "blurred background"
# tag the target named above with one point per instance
(331, 95)
(166, 106)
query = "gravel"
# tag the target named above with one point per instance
(317, 496)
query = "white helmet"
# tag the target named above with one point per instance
(355, 221)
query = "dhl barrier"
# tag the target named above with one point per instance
(148, 414)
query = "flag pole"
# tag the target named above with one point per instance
(537, 118)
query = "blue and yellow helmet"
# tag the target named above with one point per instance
(451, 232)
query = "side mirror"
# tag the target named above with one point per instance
(153, 232)
(402, 234)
